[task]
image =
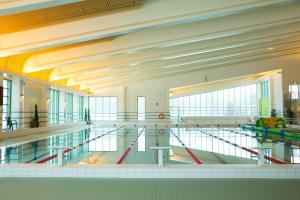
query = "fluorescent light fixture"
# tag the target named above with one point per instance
(89, 80)
(133, 64)
(97, 71)
(197, 40)
(200, 61)
(97, 79)
(269, 39)
(201, 52)
(131, 51)
(271, 48)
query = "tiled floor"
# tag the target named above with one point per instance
(154, 189)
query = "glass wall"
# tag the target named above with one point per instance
(141, 107)
(294, 91)
(295, 156)
(6, 102)
(81, 108)
(237, 101)
(53, 106)
(103, 108)
(69, 107)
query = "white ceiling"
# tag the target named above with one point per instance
(162, 38)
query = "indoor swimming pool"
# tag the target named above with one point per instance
(139, 145)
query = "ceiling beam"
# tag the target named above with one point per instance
(175, 63)
(8, 7)
(235, 59)
(164, 37)
(147, 59)
(127, 22)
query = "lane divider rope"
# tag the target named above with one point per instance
(122, 158)
(75, 147)
(244, 148)
(287, 144)
(191, 154)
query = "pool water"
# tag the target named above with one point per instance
(99, 145)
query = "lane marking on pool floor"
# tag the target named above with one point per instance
(75, 147)
(192, 155)
(243, 148)
(134, 141)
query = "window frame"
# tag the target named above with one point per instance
(141, 116)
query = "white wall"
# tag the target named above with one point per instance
(35, 93)
(157, 90)
(277, 93)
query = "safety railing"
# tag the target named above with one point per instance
(131, 116)
(23, 120)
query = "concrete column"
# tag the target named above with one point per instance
(15, 99)
(22, 105)
(1, 107)
(277, 93)
(43, 105)
(122, 102)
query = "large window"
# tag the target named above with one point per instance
(294, 91)
(81, 108)
(53, 106)
(6, 102)
(69, 107)
(103, 108)
(238, 101)
(141, 107)
(295, 156)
